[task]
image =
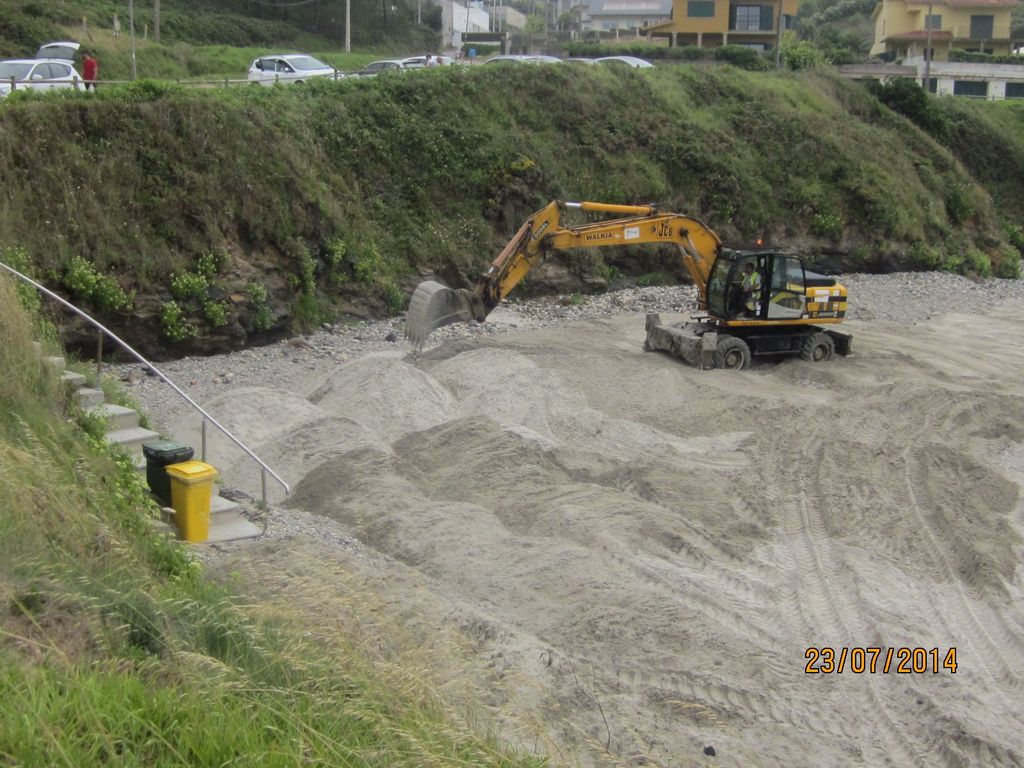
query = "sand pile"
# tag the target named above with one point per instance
(645, 551)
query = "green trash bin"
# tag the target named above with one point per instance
(159, 454)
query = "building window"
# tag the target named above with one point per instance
(750, 18)
(1015, 90)
(933, 85)
(700, 9)
(970, 88)
(981, 27)
(933, 22)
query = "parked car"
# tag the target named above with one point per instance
(375, 68)
(62, 50)
(37, 74)
(417, 62)
(629, 61)
(523, 58)
(287, 68)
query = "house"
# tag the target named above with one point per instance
(507, 17)
(902, 27)
(710, 23)
(468, 18)
(609, 15)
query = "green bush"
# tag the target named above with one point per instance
(828, 225)
(958, 205)
(188, 285)
(977, 262)
(215, 313)
(394, 299)
(174, 325)
(802, 54)
(262, 317)
(741, 56)
(101, 290)
(905, 96)
(984, 58)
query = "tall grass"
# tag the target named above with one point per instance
(115, 649)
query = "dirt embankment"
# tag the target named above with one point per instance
(640, 554)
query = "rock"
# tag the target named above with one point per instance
(710, 751)
(391, 337)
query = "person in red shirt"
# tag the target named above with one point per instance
(90, 67)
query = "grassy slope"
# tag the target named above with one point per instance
(114, 649)
(330, 189)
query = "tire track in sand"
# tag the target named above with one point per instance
(832, 609)
(965, 613)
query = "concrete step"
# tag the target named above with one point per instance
(118, 417)
(89, 398)
(56, 362)
(227, 523)
(131, 439)
(232, 526)
(72, 380)
(218, 505)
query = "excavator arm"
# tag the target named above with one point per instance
(433, 305)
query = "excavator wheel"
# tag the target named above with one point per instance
(818, 347)
(732, 353)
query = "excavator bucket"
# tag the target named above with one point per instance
(431, 306)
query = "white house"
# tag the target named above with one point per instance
(473, 18)
(608, 15)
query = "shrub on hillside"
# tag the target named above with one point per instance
(740, 56)
(802, 54)
(909, 99)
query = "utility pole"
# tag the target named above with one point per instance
(348, 26)
(131, 31)
(928, 50)
(778, 38)
(156, 21)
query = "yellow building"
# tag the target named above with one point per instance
(710, 23)
(901, 27)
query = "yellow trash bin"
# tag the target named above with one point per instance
(191, 488)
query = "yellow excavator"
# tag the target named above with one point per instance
(760, 302)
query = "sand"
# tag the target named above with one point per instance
(638, 553)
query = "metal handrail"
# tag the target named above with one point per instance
(264, 469)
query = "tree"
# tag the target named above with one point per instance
(535, 25)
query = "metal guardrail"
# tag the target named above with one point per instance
(264, 469)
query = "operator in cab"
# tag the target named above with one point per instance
(750, 288)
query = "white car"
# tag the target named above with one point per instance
(375, 68)
(523, 58)
(629, 61)
(62, 50)
(418, 62)
(287, 68)
(38, 74)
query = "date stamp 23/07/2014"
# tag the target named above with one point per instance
(874, 659)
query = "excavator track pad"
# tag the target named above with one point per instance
(433, 305)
